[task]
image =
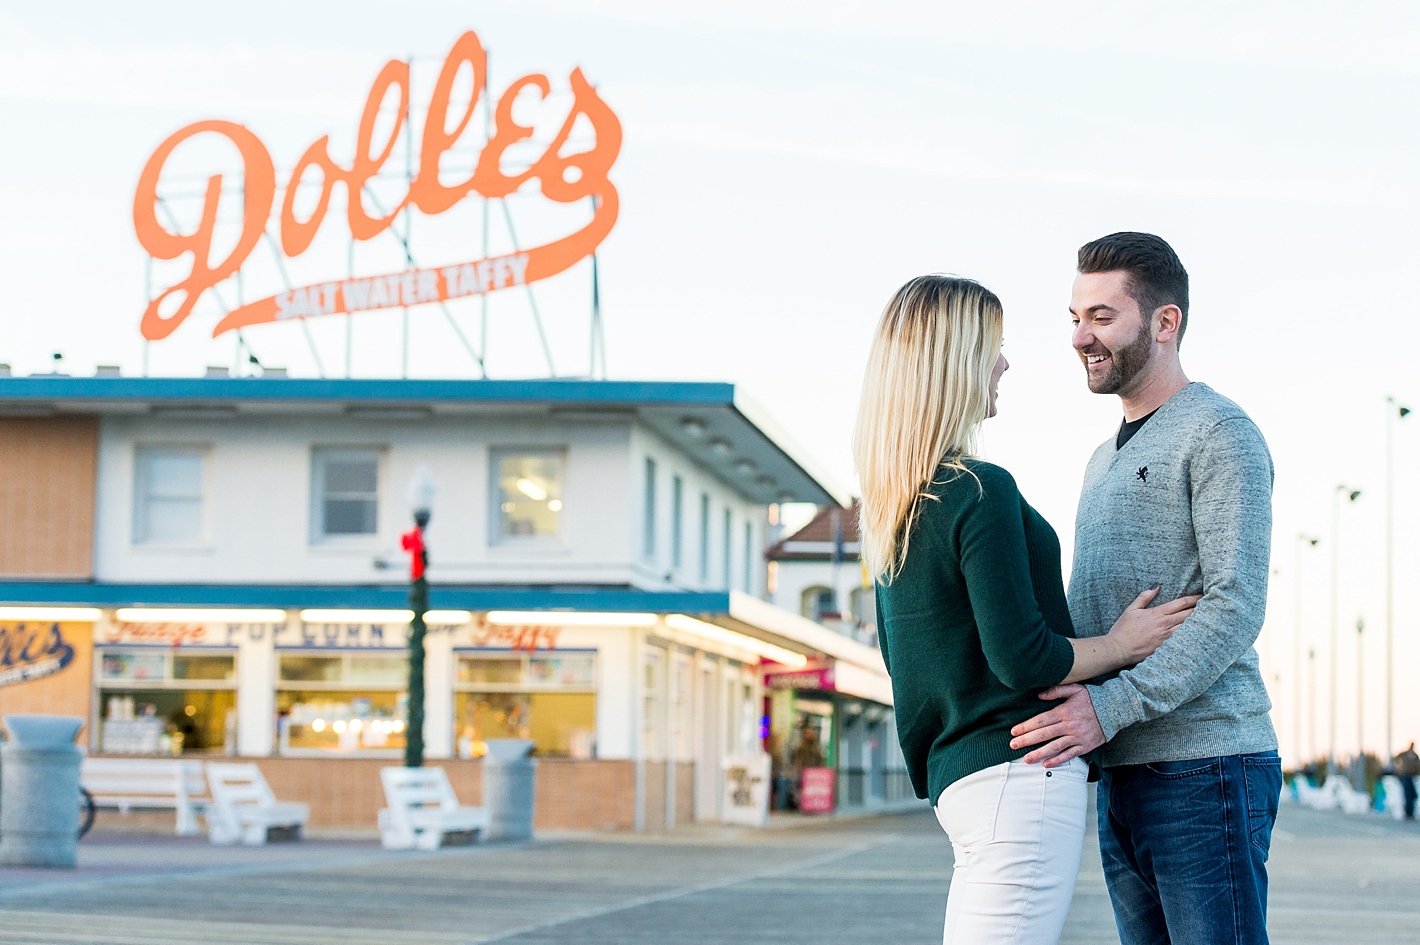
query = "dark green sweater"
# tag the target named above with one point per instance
(973, 626)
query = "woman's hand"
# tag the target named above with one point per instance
(1142, 629)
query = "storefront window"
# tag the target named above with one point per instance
(341, 702)
(166, 702)
(549, 698)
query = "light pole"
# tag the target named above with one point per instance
(1311, 703)
(1303, 541)
(421, 505)
(1360, 703)
(1351, 496)
(1393, 412)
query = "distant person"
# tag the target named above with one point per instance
(972, 620)
(1180, 496)
(1407, 769)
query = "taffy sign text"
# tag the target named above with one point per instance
(564, 178)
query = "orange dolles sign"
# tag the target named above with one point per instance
(563, 178)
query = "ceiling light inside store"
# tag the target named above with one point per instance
(693, 427)
(532, 490)
(733, 638)
(60, 614)
(446, 616)
(553, 618)
(197, 615)
(357, 616)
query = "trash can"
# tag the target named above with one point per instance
(39, 797)
(508, 776)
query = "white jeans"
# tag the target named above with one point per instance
(1017, 831)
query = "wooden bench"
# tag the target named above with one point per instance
(128, 784)
(423, 811)
(244, 809)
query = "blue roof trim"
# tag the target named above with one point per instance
(364, 597)
(50, 388)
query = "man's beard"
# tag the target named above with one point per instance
(1125, 364)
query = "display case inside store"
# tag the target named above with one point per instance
(342, 702)
(547, 697)
(166, 701)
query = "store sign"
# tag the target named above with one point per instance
(183, 634)
(32, 651)
(812, 677)
(527, 638)
(344, 635)
(816, 789)
(563, 178)
(170, 634)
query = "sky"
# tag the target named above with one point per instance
(785, 166)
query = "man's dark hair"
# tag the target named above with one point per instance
(1156, 276)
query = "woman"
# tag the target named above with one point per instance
(971, 614)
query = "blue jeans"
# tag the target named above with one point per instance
(1184, 845)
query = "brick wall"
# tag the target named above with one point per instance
(569, 794)
(47, 487)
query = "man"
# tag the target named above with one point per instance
(1407, 766)
(1180, 497)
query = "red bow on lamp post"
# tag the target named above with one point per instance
(412, 541)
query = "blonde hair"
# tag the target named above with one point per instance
(925, 392)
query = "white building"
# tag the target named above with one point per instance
(596, 576)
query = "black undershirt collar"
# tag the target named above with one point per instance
(1128, 428)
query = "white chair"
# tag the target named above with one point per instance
(1394, 797)
(148, 784)
(243, 807)
(423, 810)
(1337, 794)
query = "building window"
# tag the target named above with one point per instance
(819, 603)
(547, 697)
(749, 557)
(527, 495)
(336, 701)
(728, 547)
(168, 503)
(648, 536)
(346, 484)
(677, 517)
(161, 700)
(704, 538)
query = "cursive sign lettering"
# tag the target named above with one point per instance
(31, 651)
(564, 178)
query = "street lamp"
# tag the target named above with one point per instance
(1311, 701)
(421, 506)
(1393, 412)
(1351, 496)
(1360, 703)
(1303, 541)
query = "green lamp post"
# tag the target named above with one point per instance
(421, 502)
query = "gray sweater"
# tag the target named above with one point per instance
(1186, 504)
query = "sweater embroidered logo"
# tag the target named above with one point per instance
(1143, 474)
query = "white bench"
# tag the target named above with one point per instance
(243, 807)
(1394, 796)
(1335, 794)
(423, 809)
(148, 784)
